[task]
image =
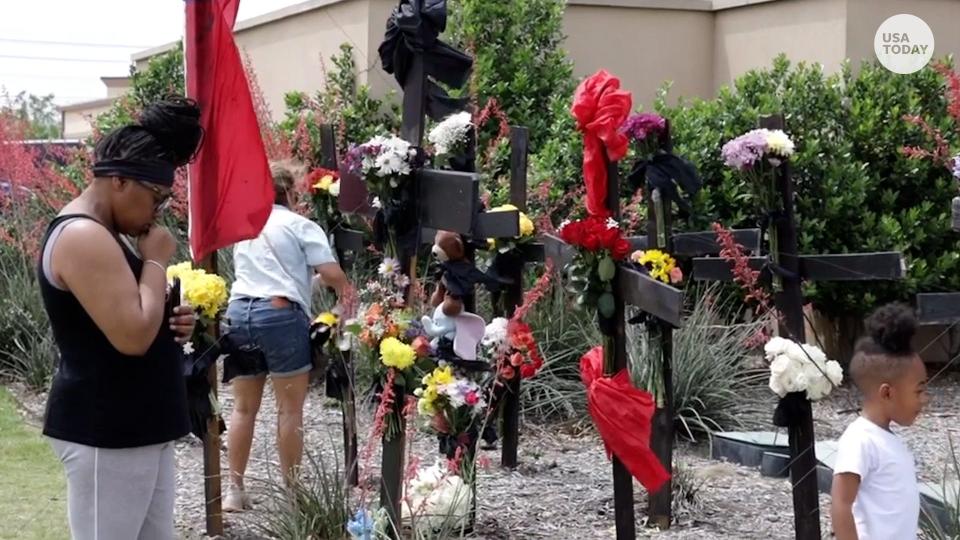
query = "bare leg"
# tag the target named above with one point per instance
(291, 393)
(247, 394)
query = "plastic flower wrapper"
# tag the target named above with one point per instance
(956, 167)
(436, 499)
(452, 134)
(367, 525)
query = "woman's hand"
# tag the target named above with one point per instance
(183, 322)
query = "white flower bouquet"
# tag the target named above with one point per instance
(384, 162)
(450, 136)
(801, 368)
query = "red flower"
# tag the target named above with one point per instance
(471, 398)
(621, 249)
(421, 346)
(507, 372)
(527, 371)
(516, 359)
(572, 233)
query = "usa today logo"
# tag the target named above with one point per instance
(904, 44)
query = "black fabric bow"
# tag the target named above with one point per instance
(790, 410)
(413, 29)
(459, 278)
(449, 444)
(195, 370)
(399, 215)
(669, 174)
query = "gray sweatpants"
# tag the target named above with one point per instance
(119, 494)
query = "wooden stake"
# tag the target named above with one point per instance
(212, 482)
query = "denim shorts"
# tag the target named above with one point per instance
(281, 334)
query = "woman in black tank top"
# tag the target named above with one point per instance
(118, 398)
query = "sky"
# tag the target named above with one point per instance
(63, 47)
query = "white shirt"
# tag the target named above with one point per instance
(888, 501)
(286, 270)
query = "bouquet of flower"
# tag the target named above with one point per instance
(384, 162)
(454, 405)
(390, 337)
(600, 245)
(437, 499)
(205, 293)
(751, 152)
(450, 137)
(801, 368)
(658, 265)
(323, 185)
(644, 130)
(511, 347)
(527, 230)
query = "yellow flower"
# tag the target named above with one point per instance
(324, 183)
(397, 354)
(526, 225)
(183, 271)
(206, 293)
(327, 318)
(657, 262)
(442, 376)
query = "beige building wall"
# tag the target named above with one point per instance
(77, 119)
(643, 47)
(751, 36)
(865, 16)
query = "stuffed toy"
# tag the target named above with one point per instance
(450, 322)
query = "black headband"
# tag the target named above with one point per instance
(155, 172)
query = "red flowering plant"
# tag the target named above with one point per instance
(600, 244)
(323, 187)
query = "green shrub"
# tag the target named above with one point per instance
(518, 58)
(27, 351)
(849, 131)
(163, 76)
(348, 106)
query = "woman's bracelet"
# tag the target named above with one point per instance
(158, 265)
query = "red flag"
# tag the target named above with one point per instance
(231, 192)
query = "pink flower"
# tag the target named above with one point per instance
(676, 275)
(471, 398)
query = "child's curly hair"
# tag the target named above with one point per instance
(881, 355)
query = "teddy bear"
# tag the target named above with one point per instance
(451, 324)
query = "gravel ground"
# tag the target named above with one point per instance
(563, 489)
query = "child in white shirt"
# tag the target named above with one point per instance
(875, 495)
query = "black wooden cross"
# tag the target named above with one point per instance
(651, 296)
(445, 200)
(789, 303)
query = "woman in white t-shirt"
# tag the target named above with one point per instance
(269, 313)
(875, 495)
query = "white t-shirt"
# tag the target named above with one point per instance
(286, 270)
(888, 501)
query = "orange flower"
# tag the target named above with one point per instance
(422, 346)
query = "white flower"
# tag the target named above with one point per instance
(438, 500)
(188, 348)
(563, 224)
(334, 189)
(775, 347)
(376, 203)
(834, 372)
(612, 223)
(388, 267)
(779, 143)
(784, 375)
(451, 131)
(495, 333)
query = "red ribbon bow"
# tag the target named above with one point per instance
(623, 415)
(600, 107)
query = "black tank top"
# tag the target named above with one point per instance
(99, 396)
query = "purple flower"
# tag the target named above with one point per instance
(956, 167)
(639, 126)
(743, 152)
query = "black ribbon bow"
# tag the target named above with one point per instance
(459, 277)
(669, 174)
(195, 370)
(790, 410)
(413, 29)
